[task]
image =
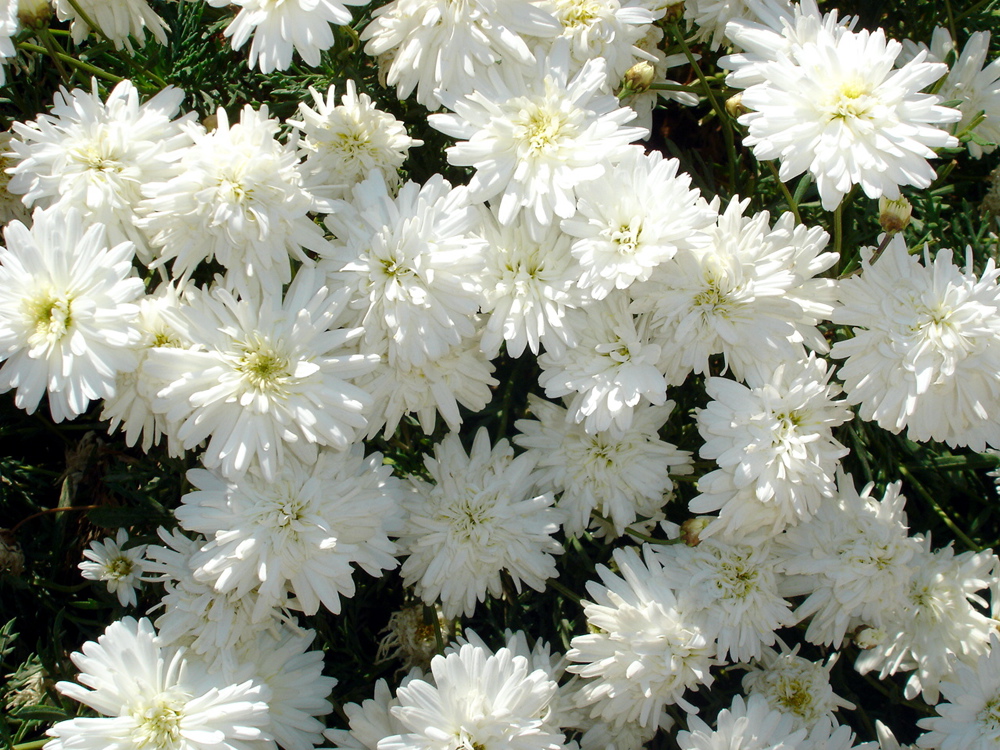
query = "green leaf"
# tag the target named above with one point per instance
(40, 713)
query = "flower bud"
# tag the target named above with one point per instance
(894, 215)
(34, 14)
(734, 105)
(638, 78)
(691, 529)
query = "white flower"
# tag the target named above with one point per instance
(237, 197)
(836, 107)
(120, 568)
(67, 318)
(853, 559)
(372, 720)
(343, 143)
(749, 724)
(96, 156)
(533, 135)
(151, 695)
(925, 350)
(611, 370)
(9, 26)
(619, 477)
(795, 686)
(412, 263)
(300, 532)
(970, 720)
(476, 699)
(116, 19)
(774, 446)
(279, 28)
(431, 44)
(480, 518)
(643, 651)
(748, 294)
(264, 376)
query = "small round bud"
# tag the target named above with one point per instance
(692, 528)
(638, 78)
(894, 215)
(866, 637)
(734, 106)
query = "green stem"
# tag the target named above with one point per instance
(720, 111)
(92, 69)
(793, 205)
(563, 590)
(675, 87)
(975, 8)
(922, 491)
(51, 48)
(652, 540)
(838, 233)
(431, 617)
(33, 745)
(45, 512)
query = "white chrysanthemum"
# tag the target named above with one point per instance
(283, 26)
(372, 720)
(67, 318)
(619, 477)
(774, 445)
(152, 695)
(481, 517)
(9, 26)
(264, 377)
(836, 107)
(611, 370)
(342, 143)
(749, 294)
(528, 285)
(237, 198)
(925, 350)
(941, 621)
(438, 44)
(970, 720)
(749, 724)
(887, 740)
(828, 735)
(120, 568)
(733, 590)
(283, 663)
(96, 156)
(643, 652)
(476, 699)
(853, 559)
(795, 686)
(116, 19)
(299, 533)
(194, 614)
(412, 264)
(461, 376)
(533, 135)
(622, 232)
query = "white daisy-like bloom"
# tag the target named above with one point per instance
(774, 445)
(610, 372)
(9, 26)
(970, 720)
(116, 19)
(299, 533)
(373, 719)
(412, 263)
(710, 17)
(853, 558)
(152, 695)
(480, 518)
(122, 569)
(437, 44)
(748, 724)
(460, 377)
(529, 283)
(733, 588)
(67, 312)
(342, 143)
(534, 134)
(643, 651)
(264, 377)
(941, 621)
(618, 477)
(835, 106)
(620, 228)
(286, 26)
(96, 155)
(828, 735)
(795, 686)
(237, 197)
(131, 406)
(283, 663)
(887, 740)
(749, 294)
(194, 614)
(925, 350)
(606, 29)
(477, 699)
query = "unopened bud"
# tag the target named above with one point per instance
(894, 215)
(866, 637)
(692, 528)
(34, 14)
(11, 556)
(638, 78)
(734, 105)
(674, 11)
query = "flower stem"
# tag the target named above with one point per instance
(62, 56)
(793, 205)
(33, 745)
(60, 509)
(922, 491)
(563, 590)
